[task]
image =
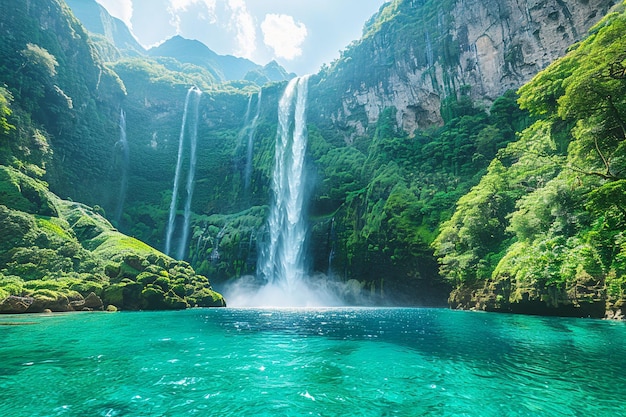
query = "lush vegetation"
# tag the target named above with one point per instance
(545, 226)
(56, 254)
(58, 107)
(516, 206)
(386, 197)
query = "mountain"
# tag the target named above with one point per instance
(542, 232)
(271, 72)
(97, 20)
(412, 115)
(224, 67)
(420, 53)
(436, 175)
(114, 40)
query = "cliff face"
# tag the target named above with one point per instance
(422, 52)
(97, 20)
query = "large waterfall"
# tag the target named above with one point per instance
(193, 99)
(122, 143)
(282, 262)
(282, 277)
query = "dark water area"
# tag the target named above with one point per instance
(320, 362)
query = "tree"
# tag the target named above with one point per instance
(5, 111)
(38, 58)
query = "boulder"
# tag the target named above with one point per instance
(93, 302)
(42, 302)
(15, 304)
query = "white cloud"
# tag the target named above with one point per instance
(284, 35)
(177, 7)
(245, 27)
(183, 5)
(122, 9)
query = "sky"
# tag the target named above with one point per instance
(301, 35)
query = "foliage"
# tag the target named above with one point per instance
(381, 201)
(474, 236)
(166, 72)
(563, 225)
(72, 251)
(39, 58)
(5, 111)
(63, 97)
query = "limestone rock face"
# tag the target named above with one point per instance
(480, 47)
(92, 301)
(586, 297)
(14, 304)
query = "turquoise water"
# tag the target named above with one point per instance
(317, 362)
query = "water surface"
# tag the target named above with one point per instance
(317, 362)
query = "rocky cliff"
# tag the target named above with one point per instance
(402, 126)
(417, 53)
(98, 21)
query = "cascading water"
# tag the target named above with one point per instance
(282, 279)
(123, 145)
(193, 94)
(332, 238)
(182, 246)
(282, 263)
(251, 132)
(430, 56)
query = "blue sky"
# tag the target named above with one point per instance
(300, 34)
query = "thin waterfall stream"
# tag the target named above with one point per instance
(193, 94)
(251, 132)
(123, 146)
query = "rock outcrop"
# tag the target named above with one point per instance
(72, 259)
(426, 52)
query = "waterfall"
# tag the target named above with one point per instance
(215, 254)
(123, 144)
(192, 93)
(251, 132)
(282, 279)
(282, 262)
(332, 238)
(430, 56)
(182, 246)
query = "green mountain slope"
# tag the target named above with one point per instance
(59, 107)
(64, 256)
(543, 231)
(223, 67)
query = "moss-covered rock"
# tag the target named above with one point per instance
(152, 298)
(72, 258)
(206, 297)
(14, 304)
(583, 298)
(49, 300)
(24, 193)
